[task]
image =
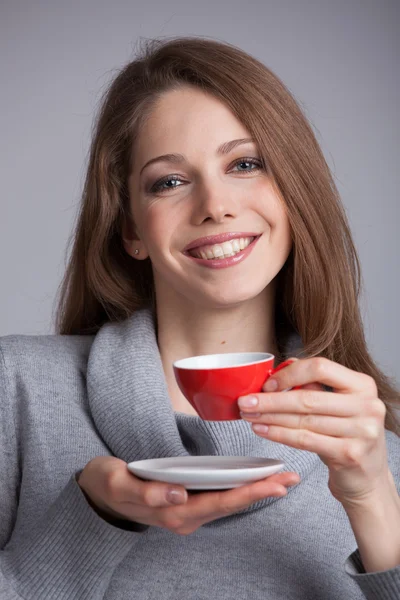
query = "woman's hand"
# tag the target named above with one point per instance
(344, 427)
(116, 494)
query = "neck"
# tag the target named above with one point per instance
(185, 329)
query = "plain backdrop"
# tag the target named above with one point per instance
(339, 57)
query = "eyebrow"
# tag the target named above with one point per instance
(224, 149)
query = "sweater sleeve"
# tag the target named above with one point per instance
(70, 552)
(383, 585)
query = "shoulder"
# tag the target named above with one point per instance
(41, 372)
(29, 356)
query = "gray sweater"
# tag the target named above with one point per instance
(67, 399)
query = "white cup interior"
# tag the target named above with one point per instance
(221, 361)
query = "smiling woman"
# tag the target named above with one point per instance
(212, 202)
(317, 289)
(203, 225)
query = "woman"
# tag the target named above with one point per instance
(197, 140)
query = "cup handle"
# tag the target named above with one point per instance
(282, 366)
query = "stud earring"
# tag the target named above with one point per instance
(136, 251)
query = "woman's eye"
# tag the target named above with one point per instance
(246, 165)
(159, 186)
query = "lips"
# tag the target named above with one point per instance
(223, 250)
(218, 239)
(222, 263)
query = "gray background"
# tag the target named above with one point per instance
(339, 57)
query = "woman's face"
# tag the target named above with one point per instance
(205, 191)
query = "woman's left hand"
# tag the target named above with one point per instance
(344, 427)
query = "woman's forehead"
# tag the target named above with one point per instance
(185, 119)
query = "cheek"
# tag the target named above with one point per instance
(279, 215)
(284, 242)
(285, 232)
(156, 225)
(280, 233)
(274, 212)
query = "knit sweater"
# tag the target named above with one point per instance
(65, 400)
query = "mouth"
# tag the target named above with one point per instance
(224, 254)
(223, 245)
(224, 250)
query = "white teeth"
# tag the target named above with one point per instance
(227, 247)
(218, 251)
(235, 245)
(224, 250)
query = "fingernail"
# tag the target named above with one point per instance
(176, 496)
(295, 481)
(248, 401)
(271, 385)
(260, 428)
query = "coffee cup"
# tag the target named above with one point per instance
(212, 383)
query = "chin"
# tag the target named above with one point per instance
(226, 298)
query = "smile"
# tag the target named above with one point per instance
(224, 250)
(225, 254)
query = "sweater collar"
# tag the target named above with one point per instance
(131, 408)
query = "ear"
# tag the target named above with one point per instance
(132, 244)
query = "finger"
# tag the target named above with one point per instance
(326, 425)
(214, 505)
(326, 447)
(305, 402)
(154, 494)
(285, 478)
(320, 370)
(313, 386)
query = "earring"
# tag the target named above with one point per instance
(136, 251)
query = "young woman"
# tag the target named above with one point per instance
(197, 144)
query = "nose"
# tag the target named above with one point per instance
(214, 202)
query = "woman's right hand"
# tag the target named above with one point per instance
(115, 493)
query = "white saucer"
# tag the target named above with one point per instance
(206, 472)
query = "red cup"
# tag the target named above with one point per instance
(213, 383)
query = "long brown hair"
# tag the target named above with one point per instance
(318, 288)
